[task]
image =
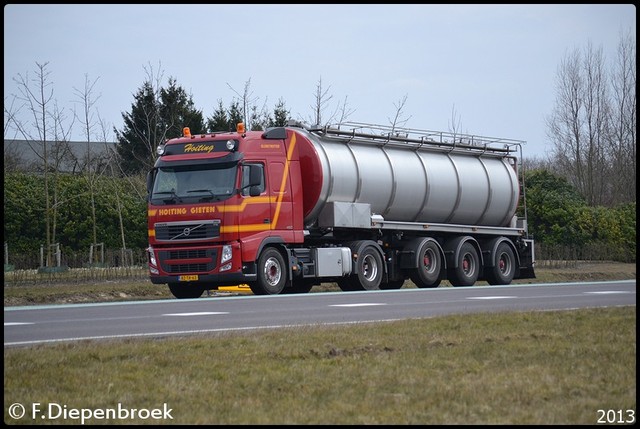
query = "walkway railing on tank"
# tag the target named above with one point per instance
(417, 138)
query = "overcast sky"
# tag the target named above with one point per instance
(491, 68)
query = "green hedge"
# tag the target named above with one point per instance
(70, 198)
(557, 215)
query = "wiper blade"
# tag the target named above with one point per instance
(217, 197)
(174, 197)
(201, 190)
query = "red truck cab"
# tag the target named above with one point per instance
(215, 200)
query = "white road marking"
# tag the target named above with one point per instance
(17, 323)
(607, 292)
(364, 304)
(491, 297)
(202, 313)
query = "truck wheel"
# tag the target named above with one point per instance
(369, 269)
(467, 269)
(272, 274)
(428, 274)
(185, 290)
(504, 264)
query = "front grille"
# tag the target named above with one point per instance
(187, 254)
(187, 268)
(173, 261)
(187, 231)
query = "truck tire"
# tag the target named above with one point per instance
(428, 274)
(272, 273)
(369, 269)
(465, 272)
(504, 266)
(186, 290)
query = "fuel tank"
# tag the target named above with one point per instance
(408, 182)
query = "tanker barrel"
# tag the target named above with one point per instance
(410, 179)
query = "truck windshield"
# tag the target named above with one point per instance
(193, 184)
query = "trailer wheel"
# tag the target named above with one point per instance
(428, 274)
(369, 269)
(186, 290)
(467, 269)
(504, 264)
(272, 274)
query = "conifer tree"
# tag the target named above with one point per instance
(219, 120)
(156, 115)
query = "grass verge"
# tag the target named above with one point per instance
(557, 367)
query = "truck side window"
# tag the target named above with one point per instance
(246, 169)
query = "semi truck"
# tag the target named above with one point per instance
(365, 206)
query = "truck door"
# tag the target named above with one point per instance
(254, 209)
(281, 203)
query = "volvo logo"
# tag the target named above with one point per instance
(184, 232)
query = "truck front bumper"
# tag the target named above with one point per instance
(210, 280)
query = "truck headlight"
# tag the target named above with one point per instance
(152, 256)
(227, 254)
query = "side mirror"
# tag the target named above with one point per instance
(255, 180)
(254, 191)
(255, 175)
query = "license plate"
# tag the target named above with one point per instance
(188, 278)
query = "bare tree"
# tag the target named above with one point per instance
(536, 162)
(344, 111)
(46, 134)
(60, 152)
(321, 98)
(592, 125)
(623, 123)
(153, 118)
(398, 121)
(597, 117)
(564, 125)
(247, 101)
(113, 157)
(87, 101)
(455, 125)
(10, 113)
(575, 124)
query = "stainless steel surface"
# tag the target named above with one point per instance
(417, 184)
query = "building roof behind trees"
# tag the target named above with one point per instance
(64, 157)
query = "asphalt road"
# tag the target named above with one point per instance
(32, 325)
